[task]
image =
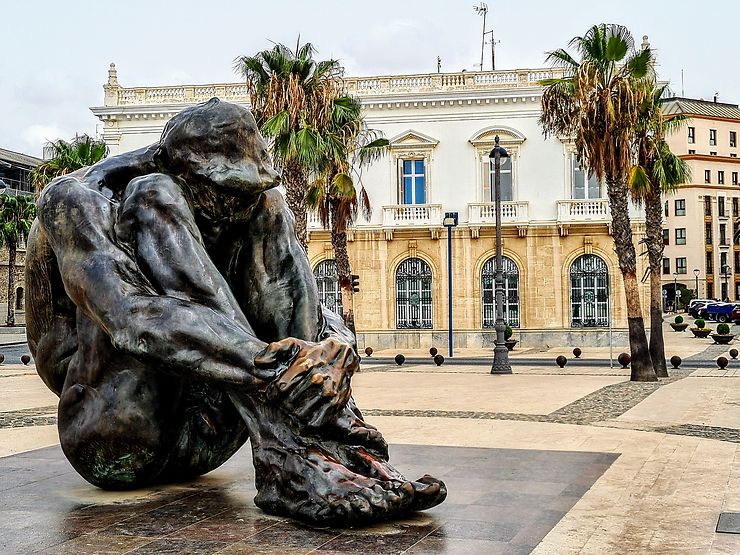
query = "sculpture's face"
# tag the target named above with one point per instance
(218, 145)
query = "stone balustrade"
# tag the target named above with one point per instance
(357, 86)
(412, 215)
(582, 210)
(511, 212)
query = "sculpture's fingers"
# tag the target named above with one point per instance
(280, 351)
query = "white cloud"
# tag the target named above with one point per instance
(36, 136)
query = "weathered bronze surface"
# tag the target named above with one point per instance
(174, 313)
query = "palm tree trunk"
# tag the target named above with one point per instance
(295, 196)
(642, 367)
(341, 258)
(11, 283)
(654, 243)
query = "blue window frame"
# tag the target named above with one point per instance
(413, 182)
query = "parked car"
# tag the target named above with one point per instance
(722, 312)
(697, 304)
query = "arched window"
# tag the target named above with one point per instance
(328, 283)
(511, 292)
(589, 292)
(413, 294)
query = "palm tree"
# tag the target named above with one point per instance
(598, 104)
(348, 145)
(291, 96)
(16, 215)
(658, 171)
(80, 152)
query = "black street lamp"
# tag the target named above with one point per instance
(449, 222)
(696, 277)
(725, 277)
(500, 352)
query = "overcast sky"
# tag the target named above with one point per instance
(55, 54)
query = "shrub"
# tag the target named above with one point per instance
(700, 323)
(678, 319)
(723, 329)
(508, 332)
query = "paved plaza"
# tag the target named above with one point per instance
(547, 460)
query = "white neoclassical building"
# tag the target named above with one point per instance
(562, 280)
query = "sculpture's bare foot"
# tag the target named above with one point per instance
(315, 486)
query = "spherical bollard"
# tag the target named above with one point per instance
(25, 359)
(624, 359)
(2, 358)
(722, 362)
(439, 360)
(369, 351)
(577, 352)
(733, 353)
(400, 359)
(433, 351)
(676, 361)
(561, 361)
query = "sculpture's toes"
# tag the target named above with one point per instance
(428, 492)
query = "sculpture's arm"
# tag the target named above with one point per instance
(102, 278)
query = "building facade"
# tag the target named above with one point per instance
(702, 218)
(563, 284)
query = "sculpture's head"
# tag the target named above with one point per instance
(217, 145)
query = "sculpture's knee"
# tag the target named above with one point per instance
(154, 199)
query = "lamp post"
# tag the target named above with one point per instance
(500, 352)
(725, 277)
(675, 293)
(449, 222)
(696, 277)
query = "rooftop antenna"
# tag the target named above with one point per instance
(439, 64)
(716, 95)
(482, 9)
(683, 95)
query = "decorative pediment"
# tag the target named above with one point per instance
(412, 140)
(486, 138)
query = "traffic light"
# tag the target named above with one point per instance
(355, 282)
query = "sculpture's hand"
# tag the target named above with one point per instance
(315, 386)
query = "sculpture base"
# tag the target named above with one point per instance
(50, 508)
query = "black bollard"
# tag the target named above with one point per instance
(439, 360)
(400, 359)
(624, 359)
(561, 361)
(577, 352)
(676, 361)
(433, 351)
(369, 351)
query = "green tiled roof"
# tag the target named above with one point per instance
(693, 107)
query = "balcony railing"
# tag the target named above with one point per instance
(576, 210)
(485, 212)
(412, 215)
(313, 221)
(357, 86)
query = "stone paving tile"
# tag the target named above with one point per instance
(500, 501)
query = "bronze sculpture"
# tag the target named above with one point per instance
(174, 313)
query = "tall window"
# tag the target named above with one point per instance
(707, 205)
(735, 213)
(681, 265)
(589, 292)
(666, 237)
(507, 180)
(734, 178)
(709, 261)
(712, 137)
(680, 207)
(708, 233)
(733, 139)
(666, 266)
(692, 135)
(665, 208)
(681, 236)
(413, 182)
(707, 176)
(413, 295)
(737, 262)
(723, 234)
(511, 292)
(584, 186)
(721, 177)
(328, 283)
(721, 206)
